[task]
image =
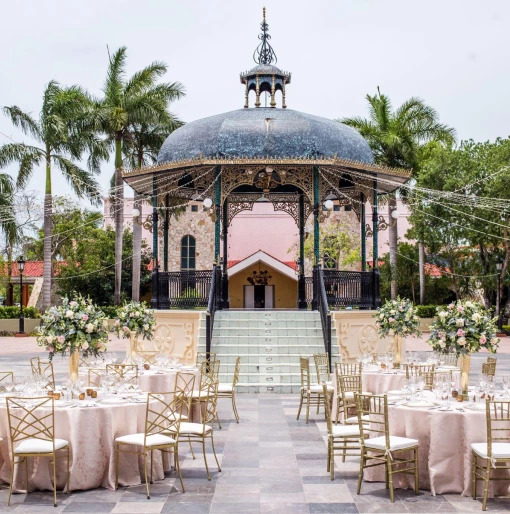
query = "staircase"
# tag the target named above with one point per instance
(269, 343)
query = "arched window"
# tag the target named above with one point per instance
(188, 253)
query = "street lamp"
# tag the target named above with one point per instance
(499, 268)
(21, 268)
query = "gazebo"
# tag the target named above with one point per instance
(297, 161)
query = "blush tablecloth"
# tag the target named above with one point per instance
(91, 432)
(445, 456)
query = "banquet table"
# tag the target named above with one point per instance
(91, 432)
(445, 439)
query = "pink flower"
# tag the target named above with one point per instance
(85, 317)
(61, 339)
(125, 329)
(51, 349)
(131, 314)
(460, 332)
(391, 320)
(460, 308)
(451, 306)
(483, 339)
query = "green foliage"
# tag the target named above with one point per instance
(14, 312)
(110, 311)
(426, 311)
(397, 317)
(183, 300)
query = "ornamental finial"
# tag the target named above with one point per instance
(264, 53)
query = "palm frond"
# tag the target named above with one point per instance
(114, 85)
(23, 121)
(145, 78)
(81, 181)
(26, 156)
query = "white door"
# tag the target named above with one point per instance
(269, 296)
(249, 297)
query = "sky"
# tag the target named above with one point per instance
(453, 54)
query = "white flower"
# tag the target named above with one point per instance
(89, 328)
(476, 317)
(443, 314)
(459, 322)
(469, 304)
(69, 314)
(461, 341)
(146, 326)
(84, 345)
(381, 316)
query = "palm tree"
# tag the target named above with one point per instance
(62, 138)
(8, 225)
(143, 144)
(398, 139)
(137, 101)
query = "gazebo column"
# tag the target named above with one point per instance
(316, 234)
(224, 293)
(362, 216)
(217, 212)
(165, 235)
(376, 301)
(155, 264)
(301, 276)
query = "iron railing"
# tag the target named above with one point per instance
(212, 305)
(322, 306)
(181, 289)
(308, 292)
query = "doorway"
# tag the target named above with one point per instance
(258, 297)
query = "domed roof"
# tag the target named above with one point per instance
(275, 133)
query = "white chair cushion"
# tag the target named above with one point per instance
(350, 394)
(499, 450)
(199, 394)
(34, 445)
(396, 443)
(152, 440)
(225, 388)
(317, 388)
(193, 428)
(353, 420)
(345, 431)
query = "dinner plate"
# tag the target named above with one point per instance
(474, 406)
(112, 401)
(397, 392)
(420, 404)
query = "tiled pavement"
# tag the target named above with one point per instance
(270, 463)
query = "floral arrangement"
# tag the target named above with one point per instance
(136, 318)
(464, 327)
(399, 317)
(75, 325)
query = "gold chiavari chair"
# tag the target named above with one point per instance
(348, 368)
(184, 387)
(200, 432)
(149, 357)
(384, 448)
(32, 434)
(322, 367)
(127, 372)
(489, 367)
(85, 362)
(209, 371)
(229, 390)
(430, 377)
(450, 359)
(5, 377)
(496, 451)
(45, 369)
(341, 438)
(313, 394)
(416, 370)
(349, 386)
(162, 424)
(202, 357)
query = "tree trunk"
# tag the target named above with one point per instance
(137, 250)
(393, 240)
(48, 220)
(10, 299)
(119, 217)
(421, 264)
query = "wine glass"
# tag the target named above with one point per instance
(506, 383)
(420, 385)
(436, 387)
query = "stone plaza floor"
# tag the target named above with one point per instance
(270, 463)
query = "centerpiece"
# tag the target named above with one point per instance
(464, 327)
(399, 318)
(73, 327)
(135, 319)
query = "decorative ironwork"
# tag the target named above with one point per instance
(260, 278)
(264, 53)
(349, 288)
(148, 225)
(382, 224)
(265, 180)
(183, 289)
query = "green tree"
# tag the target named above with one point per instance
(137, 101)
(399, 138)
(62, 138)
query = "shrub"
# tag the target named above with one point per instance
(110, 311)
(426, 311)
(13, 312)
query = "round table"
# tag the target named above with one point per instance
(379, 382)
(91, 432)
(445, 439)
